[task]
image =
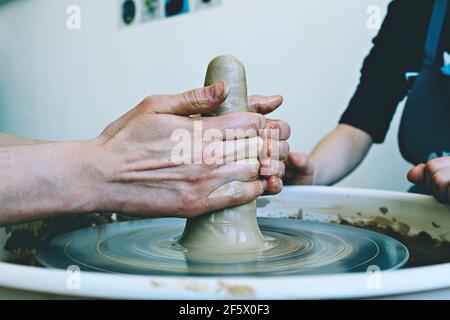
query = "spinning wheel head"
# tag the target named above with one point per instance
(150, 247)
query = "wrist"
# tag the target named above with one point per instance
(78, 176)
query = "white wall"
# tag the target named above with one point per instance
(61, 84)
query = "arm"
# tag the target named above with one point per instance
(335, 157)
(10, 140)
(130, 169)
(368, 116)
(43, 180)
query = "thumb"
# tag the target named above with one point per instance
(197, 101)
(417, 174)
(300, 163)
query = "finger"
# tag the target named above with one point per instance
(235, 125)
(230, 151)
(271, 167)
(417, 174)
(428, 178)
(277, 129)
(246, 124)
(235, 193)
(440, 185)
(432, 167)
(244, 170)
(256, 147)
(263, 104)
(196, 101)
(274, 149)
(300, 164)
(274, 185)
(437, 164)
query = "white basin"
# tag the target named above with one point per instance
(416, 213)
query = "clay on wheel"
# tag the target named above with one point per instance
(234, 229)
(151, 247)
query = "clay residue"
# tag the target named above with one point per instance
(435, 225)
(297, 216)
(423, 249)
(195, 286)
(24, 239)
(156, 284)
(236, 290)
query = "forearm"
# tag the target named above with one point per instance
(339, 153)
(10, 140)
(44, 180)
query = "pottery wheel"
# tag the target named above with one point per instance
(225, 242)
(151, 247)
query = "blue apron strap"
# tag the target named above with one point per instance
(434, 32)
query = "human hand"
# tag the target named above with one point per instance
(139, 176)
(300, 170)
(435, 176)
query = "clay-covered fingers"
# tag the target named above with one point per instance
(244, 170)
(270, 167)
(233, 194)
(229, 151)
(248, 170)
(256, 147)
(238, 125)
(264, 104)
(192, 102)
(274, 185)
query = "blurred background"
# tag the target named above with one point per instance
(67, 78)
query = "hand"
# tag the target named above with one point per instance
(139, 176)
(265, 105)
(435, 176)
(299, 170)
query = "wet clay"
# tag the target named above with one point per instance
(151, 247)
(24, 240)
(423, 249)
(232, 230)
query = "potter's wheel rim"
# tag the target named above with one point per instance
(298, 287)
(112, 286)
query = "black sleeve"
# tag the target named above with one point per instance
(397, 49)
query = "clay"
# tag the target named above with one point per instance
(150, 247)
(233, 230)
(423, 249)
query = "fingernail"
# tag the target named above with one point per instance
(226, 92)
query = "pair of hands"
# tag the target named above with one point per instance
(434, 175)
(139, 177)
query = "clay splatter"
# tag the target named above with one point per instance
(236, 290)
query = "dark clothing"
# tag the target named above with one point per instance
(398, 49)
